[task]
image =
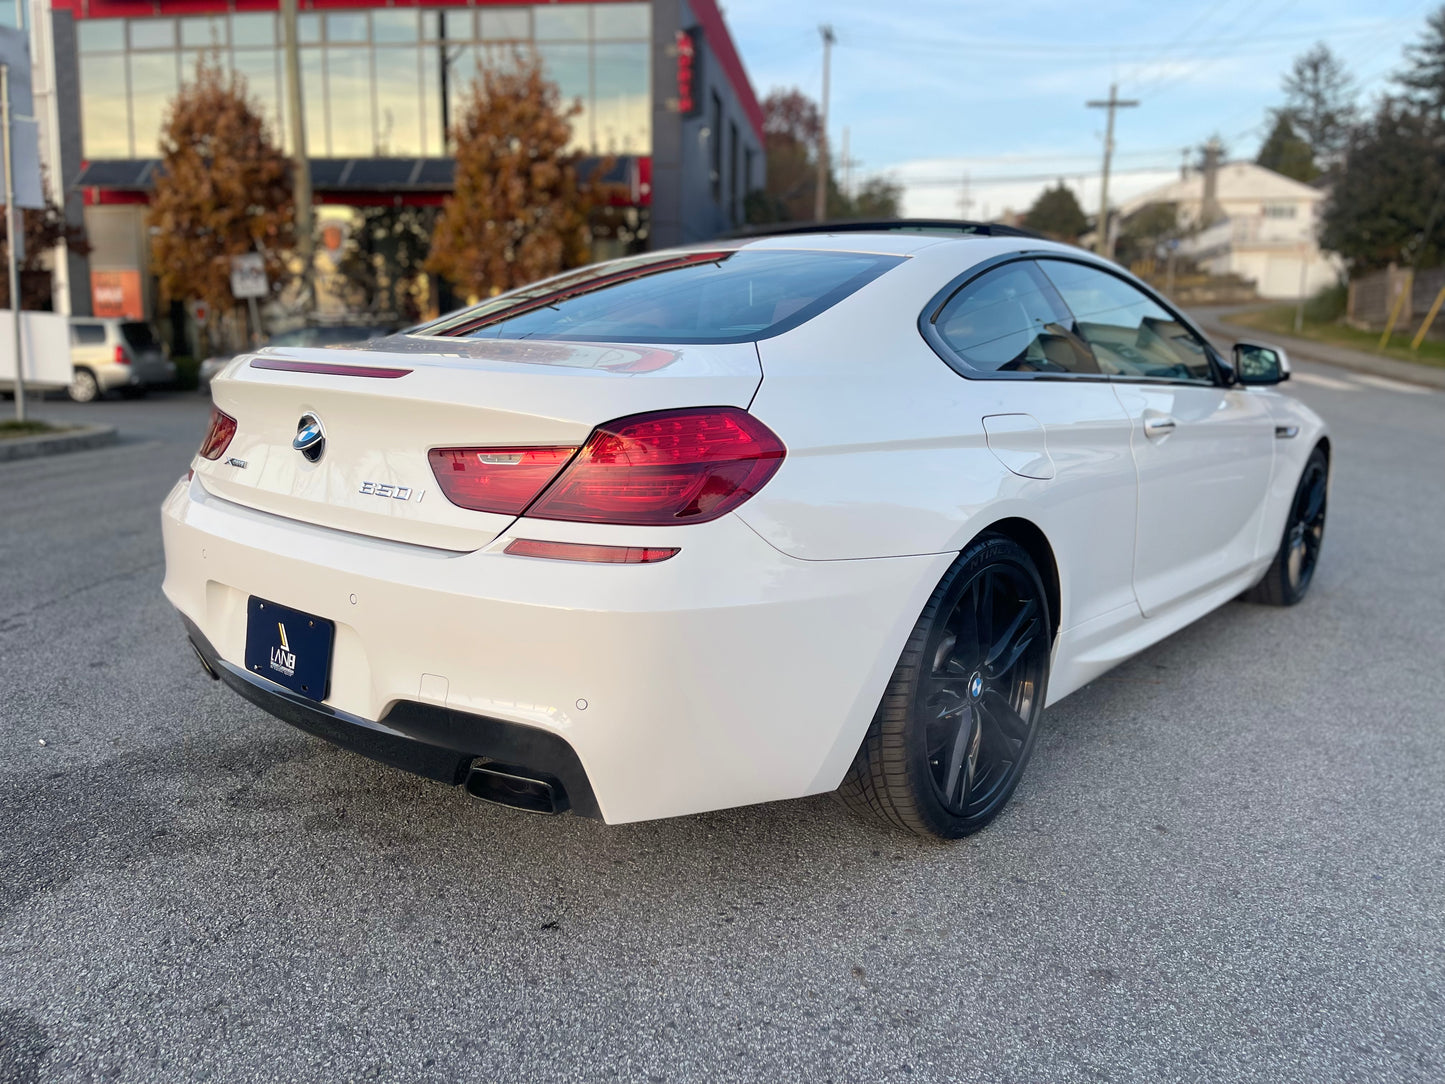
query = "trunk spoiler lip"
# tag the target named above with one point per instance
(323, 368)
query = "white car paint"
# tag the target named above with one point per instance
(746, 668)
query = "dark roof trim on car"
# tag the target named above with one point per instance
(887, 225)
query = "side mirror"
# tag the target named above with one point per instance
(1255, 363)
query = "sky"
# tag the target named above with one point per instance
(933, 91)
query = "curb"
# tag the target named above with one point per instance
(1342, 357)
(92, 436)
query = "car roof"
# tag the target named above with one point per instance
(949, 227)
(969, 247)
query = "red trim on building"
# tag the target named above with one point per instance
(104, 197)
(715, 29)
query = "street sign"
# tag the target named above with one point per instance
(200, 311)
(248, 276)
(15, 57)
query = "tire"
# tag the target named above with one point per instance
(961, 713)
(1293, 569)
(83, 387)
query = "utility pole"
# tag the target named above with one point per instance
(965, 196)
(300, 163)
(15, 233)
(845, 166)
(820, 194)
(1114, 102)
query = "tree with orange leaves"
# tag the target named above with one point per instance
(518, 211)
(223, 189)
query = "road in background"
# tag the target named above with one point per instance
(1225, 863)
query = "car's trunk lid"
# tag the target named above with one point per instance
(383, 405)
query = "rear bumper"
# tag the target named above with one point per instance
(427, 739)
(728, 675)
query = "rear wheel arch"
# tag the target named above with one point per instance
(1036, 544)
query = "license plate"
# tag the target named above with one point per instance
(289, 647)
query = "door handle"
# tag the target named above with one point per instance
(1158, 427)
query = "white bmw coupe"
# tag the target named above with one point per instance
(834, 511)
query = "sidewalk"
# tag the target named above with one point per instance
(1216, 322)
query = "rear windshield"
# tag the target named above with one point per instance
(689, 297)
(139, 336)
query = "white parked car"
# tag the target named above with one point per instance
(742, 522)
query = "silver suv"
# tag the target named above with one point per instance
(109, 354)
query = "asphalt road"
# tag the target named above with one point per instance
(1226, 862)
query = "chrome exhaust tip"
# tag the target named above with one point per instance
(516, 788)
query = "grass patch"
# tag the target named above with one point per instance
(30, 427)
(1279, 319)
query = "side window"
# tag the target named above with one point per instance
(1131, 334)
(87, 334)
(1011, 320)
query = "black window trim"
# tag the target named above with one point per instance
(927, 324)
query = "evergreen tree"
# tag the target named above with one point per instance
(1385, 204)
(1285, 152)
(1320, 105)
(1423, 77)
(1057, 214)
(518, 211)
(223, 189)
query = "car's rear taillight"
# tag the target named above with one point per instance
(665, 468)
(501, 480)
(218, 436)
(121, 357)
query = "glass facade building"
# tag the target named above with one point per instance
(376, 82)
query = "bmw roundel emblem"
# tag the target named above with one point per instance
(310, 438)
(975, 687)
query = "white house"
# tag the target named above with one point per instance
(1263, 226)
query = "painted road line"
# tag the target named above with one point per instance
(1391, 385)
(1315, 380)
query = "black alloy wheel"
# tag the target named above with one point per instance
(1289, 577)
(961, 715)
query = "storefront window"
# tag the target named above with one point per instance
(622, 117)
(398, 103)
(152, 33)
(254, 28)
(346, 27)
(622, 21)
(153, 83)
(563, 22)
(100, 35)
(260, 70)
(104, 107)
(506, 24)
(393, 26)
(205, 32)
(373, 80)
(570, 67)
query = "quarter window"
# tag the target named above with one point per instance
(87, 334)
(1011, 320)
(1131, 334)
